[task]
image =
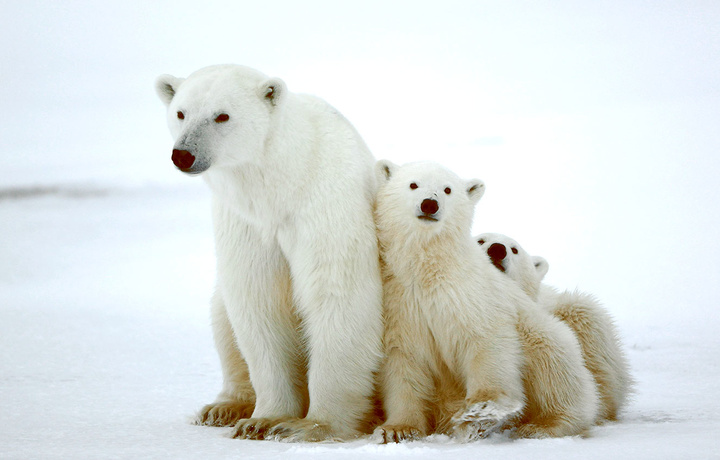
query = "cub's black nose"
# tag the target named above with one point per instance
(497, 251)
(183, 159)
(429, 206)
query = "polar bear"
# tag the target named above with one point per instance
(297, 316)
(466, 350)
(591, 323)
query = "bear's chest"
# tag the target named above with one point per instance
(445, 317)
(248, 194)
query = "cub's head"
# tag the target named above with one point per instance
(220, 115)
(510, 258)
(424, 197)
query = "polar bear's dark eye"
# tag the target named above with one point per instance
(514, 250)
(447, 191)
(222, 118)
(413, 186)
(481, 242)
(181, 115)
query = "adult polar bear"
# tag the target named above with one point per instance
(298, 300)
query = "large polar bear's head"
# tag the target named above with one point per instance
(220, 115)
(510, 258)
(424, 198)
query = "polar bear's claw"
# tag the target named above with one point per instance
(387, 434)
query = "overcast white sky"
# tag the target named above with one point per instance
(595, 125)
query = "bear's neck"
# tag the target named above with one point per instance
(246, 191)
(265, 189)
(423, 258)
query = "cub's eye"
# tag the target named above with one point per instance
(514, 250)
(413, 186)
(481, 242)
(181, 115)
(223, 117)
(448, 191)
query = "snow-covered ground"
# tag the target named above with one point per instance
(593, 124)
(107, 353)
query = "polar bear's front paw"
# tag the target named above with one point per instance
(480, 419)
(255, 428)
(304, 430)
(396, 433)
(287, 430)
(226, 413)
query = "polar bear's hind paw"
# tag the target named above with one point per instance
(478, 420)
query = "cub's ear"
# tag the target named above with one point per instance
(541, 266)
(384, 169)
(475, 189)
(274, 91)
(166, 86)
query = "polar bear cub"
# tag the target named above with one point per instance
(459, 335)
(297, 314)
(591, 322)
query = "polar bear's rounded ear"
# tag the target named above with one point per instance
(166, 86)
(274, 91)
(384, 169)
(475, 189)
(541, 266)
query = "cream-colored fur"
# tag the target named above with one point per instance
(561, 393)
(460, 338)
(297, 316)
(592, 324)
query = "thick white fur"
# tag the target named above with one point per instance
(298, 302)
(592, 324)
(457, 330)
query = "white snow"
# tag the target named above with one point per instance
(107, 352)
(594, 126)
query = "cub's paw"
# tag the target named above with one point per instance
(529, 430)
(226, 413)
(480, 419)
(396, 433)
(550, 430)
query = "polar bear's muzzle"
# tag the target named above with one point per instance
(183, 159)
(497, 253)
(187, 162)
(428, 210)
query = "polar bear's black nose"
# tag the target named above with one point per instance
(183, 159)
(429, 206)
(497, 251)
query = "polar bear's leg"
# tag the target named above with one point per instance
(406, 392)
(343, 323)
(493, 374)
(254, 281)
(406, 381)
(337, 286)
(237, 398)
